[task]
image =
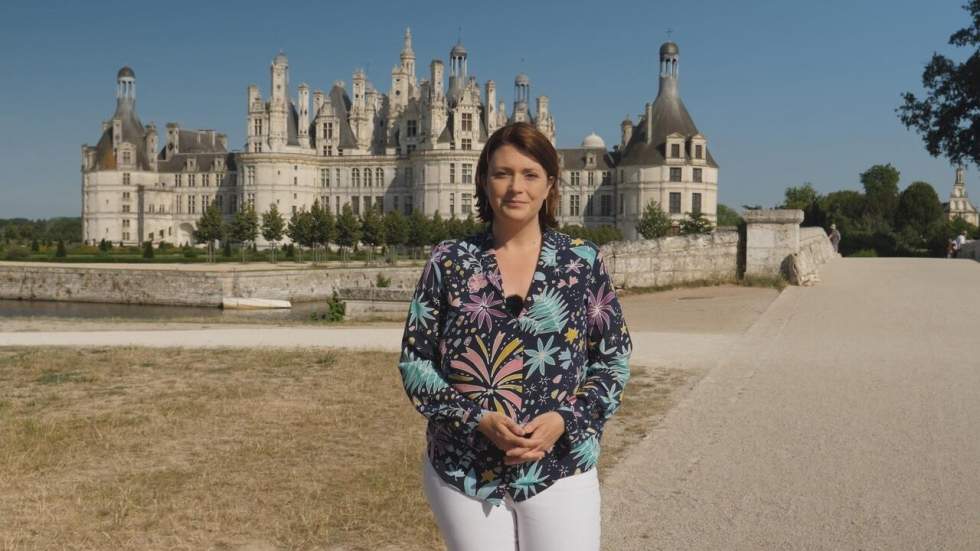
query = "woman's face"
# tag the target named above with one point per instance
(517, 186)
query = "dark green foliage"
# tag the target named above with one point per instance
(372, 228)
(35, 247)
(244, 228)
(381, 282)
(61, 252)
(881, 193)
(948, 118)
(396, 228)
(300, 230)
(600, 235)
(16, 253)
(335, 310)
(806, 199)
(348, 228)
(418, 230)
(437, 229)
(654, 223)
(148, 249)
(105, 246)
(918, 208)
(727, 216)
(695, 223)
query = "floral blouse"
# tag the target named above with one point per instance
(464, 354)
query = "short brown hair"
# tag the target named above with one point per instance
(528, 140)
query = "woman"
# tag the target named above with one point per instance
(516, 351)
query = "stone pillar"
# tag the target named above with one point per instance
(771, 236)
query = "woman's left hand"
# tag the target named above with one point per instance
(543, 431)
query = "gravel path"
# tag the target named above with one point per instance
(845, 418)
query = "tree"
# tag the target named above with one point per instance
(61, 252)
(727, 216)
(418, 230)
(455, 228)
(948, 118)
(881, 192)
(209, 228)
(695, 223)
(654, 223)
(437, 229)
(919, 208)
(273, 227)
(348, 228)
(806, 199)
(372, 228)
(245, 227)
(323, 226)
(148, 249)
(396, 228)
(300, 230)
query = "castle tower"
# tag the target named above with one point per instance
(303, 124)
(408, 57)
(959, 205)
(278, 103)
(522, 95)
(669, 63)
(491, 104)
(457, 70)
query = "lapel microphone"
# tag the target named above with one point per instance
(514, 304)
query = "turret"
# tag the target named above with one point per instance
(408, 56)
(151, 145)
(303, 108)
(669, 60)
(278, 108)
(436, 70)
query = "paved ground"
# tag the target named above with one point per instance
(846, 418)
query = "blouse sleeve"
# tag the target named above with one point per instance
(607, 369)
(425, 385)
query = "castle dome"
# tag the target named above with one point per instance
(458, 50)
(522, 79)
(126, 72)
(593, 141)
(669, 49)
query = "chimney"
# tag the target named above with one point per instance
(649, 123)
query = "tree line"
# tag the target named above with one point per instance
(881, 220)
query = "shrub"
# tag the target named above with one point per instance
(16, 253)
(335, 311)
(189, 252)
(148, 250)
(381, 281)
(61, 252)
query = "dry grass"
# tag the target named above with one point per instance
(133, 448)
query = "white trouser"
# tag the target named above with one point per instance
(564, 517)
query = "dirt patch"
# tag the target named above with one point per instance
(136, 448)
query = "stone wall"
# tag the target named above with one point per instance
(188, 286)
(970, 249)
(672, 260)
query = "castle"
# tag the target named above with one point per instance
(413, 148)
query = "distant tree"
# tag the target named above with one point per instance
(948, 118)
(396, 228)
(148, 249)
(695, 223)
(437, 229)
(61, 252)
(806, 199)
(210, 227)
(323, 227)
(372, 228)
(300, 230)
(105, 246)
(471, 226)
(881, 192)
(418, 230)
(727, 216)
(273, 228)
(35, 247)
(348, 228)
(455, 228)
(919, 208)
(654, 222)
(244, 227)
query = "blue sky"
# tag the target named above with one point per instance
(786, 92)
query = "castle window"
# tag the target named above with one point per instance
(324, 177)
(127, 157)
(696, 203)
(622, 204)
(355, 204)
(367, 177)
(192, 180)
(467, 122)
(192, 204)
(412, 128)
(467, 205)
(576, 178)
(258, 127)
(250, 175)
(605, 177)
(675, 150)
(467, 144)
(205, 180)
(411, 148)
(452, 204)
(697, 175)
(379, 204)
(574, 204)
(337, 173)
(125, 178)
(125, 208)
(379, 176)
(698, 152)
(452, 173)
(125, 223)
(675, 202)
(675, 174)
(295, 181)
(467, 173)
(336, 204)
(355, 177)
(591, 178)
(125, 196)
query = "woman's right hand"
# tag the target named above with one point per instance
(503, 431)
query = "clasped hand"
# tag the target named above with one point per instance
(526, 443)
